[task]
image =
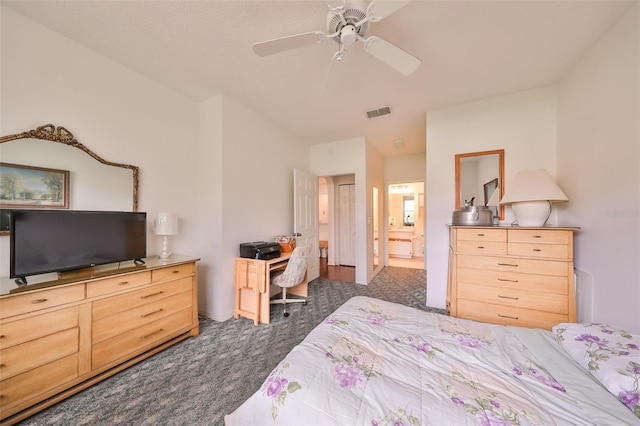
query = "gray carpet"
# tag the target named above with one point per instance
(199, 380)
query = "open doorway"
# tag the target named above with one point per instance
(336, 227)
(405, 225)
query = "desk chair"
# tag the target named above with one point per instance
(293, 275)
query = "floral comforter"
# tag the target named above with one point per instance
(373, 362)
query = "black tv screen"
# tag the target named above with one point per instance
(62, 240)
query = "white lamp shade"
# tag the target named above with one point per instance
(533, 185)
(530, 195)
(166, 224)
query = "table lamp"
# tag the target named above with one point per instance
(165, 224)
(531, 194)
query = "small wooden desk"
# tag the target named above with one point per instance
(252, 284)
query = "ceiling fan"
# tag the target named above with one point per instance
(347, 24)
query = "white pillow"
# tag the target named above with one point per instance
(610, 354)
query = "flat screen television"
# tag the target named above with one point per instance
(45, 241)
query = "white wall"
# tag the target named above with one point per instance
(120, 115)
(375, 178)
(226, 171)
(598, 168)
(405, 168)
(247, 187)
(523, 124)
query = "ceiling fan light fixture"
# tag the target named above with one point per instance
(348, 35)
(341, 17)
(346, 25)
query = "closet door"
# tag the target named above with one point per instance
(347, 225)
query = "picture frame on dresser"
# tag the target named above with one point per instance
(489, 189)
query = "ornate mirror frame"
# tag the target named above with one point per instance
(59, 134)
(500, 153)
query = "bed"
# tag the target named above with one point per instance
(377, 363)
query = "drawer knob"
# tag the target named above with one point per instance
(537, 236)
(507, 316)
(480, 235)
(2, 336)
(507, 297)
(507, 280)
(480, 247)
(151, 334)
(39, 301)
(537, 250)
(123, 283)
(175, 271)
(2, 365)
(151, 295)
(151, 313)
(515, 265)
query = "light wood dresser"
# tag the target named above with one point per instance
(60, 337)
(512, 275)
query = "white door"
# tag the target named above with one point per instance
(305, 211)
(347, 225)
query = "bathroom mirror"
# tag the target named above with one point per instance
(95, 183)
(478, 176)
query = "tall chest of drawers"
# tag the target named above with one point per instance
(59, 339)
(512, 276)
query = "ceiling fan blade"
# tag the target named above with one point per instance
(391, 55)
(287, 43)
(383, 8)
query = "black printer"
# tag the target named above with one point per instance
(260, 250)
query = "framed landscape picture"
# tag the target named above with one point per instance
(33, 187)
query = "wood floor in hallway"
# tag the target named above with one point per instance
(337, 273)
(348, 273)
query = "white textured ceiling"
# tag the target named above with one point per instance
(469, 50)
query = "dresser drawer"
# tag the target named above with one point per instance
(506, 264)
(34, 353)
(507, 315)
(141, 338)
(20, 331)
(119, 283)
(539, 236)
(173, 272)
(475, 234)
(549, 251)
(38, 381)
(124, 302)
(482, 247)
(113, 325)
(514, 280)
(519, 298)
(35, 300)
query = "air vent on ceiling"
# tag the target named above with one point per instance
(378, 112)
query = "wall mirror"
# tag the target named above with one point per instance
(408, 210)
(478, 176)
(94, 183)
